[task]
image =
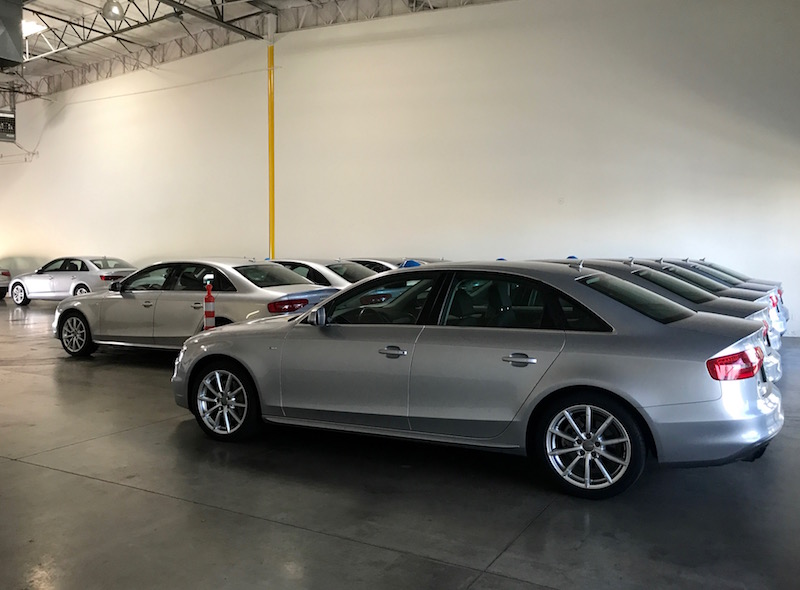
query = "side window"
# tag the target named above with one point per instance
(149, 279)
(222, 283)
(314, 276)
(191, 277)
(397, 301)
(76, 264)
(507, 302)
(55, 265)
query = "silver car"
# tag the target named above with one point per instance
(71, 275)
(579, 370)
(328, 272)
(162, 305)
(384, 264)
(5, 279)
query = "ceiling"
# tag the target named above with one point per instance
(76, 44)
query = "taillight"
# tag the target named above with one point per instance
(286, 305)
(740, 365)
(773, 299)
(110, 277)
(5, 273)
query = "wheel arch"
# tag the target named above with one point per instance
(66, 314)
(80, 284)
(551, 397)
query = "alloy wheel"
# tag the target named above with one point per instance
(81, 290)
(588, 446)
(73, 334)
(222, 402)
(18, 294)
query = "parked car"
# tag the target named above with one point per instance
(384, 264)
(777, 317)
(720, 276)
(734, 273)
(5, 279)
(162, 305)
(72, 275)
(580, 370)
(328, 272)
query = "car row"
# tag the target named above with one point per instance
(5, 280)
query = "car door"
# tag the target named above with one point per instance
(41, 282)
(73, 270)
(179, 310)
(355, 370)
(127, 315)
(497, 337)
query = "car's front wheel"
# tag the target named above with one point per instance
(18, 294)
(589, 444)
(225, 401)
(76, 337)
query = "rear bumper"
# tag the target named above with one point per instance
(713, 433)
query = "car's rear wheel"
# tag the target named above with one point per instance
(75, 336)
(225, 401)
(18, 294)
(589, 444)
(81, 290)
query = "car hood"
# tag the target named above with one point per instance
(273, 324)
(93, 296)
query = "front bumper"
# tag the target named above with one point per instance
(717, 432)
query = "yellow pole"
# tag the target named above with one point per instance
(271, 103)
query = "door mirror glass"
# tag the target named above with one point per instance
(115, 286)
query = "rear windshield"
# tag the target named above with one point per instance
(677, 286)
(107, 263)
(719, 276)
(271, 275)
(727, 271)
(638, 298)
(351, 271)
(696, 279)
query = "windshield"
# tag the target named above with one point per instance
(696, 279)
(107, 263)
(351, 271)
(271, 275)
(726, 270)
(677, 286)
(638, 298)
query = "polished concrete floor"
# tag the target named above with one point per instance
(105, 483)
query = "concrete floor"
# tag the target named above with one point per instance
(105, 483)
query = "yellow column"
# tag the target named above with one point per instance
(271, 103)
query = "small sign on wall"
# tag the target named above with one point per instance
(8, 126)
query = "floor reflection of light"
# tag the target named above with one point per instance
(42, 576)
(294, 570)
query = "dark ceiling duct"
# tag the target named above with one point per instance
(10, 33)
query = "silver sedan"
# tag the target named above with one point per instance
(162, 305)
(581, 371)
(72, 275)
(328, 272)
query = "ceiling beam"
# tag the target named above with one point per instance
(207, 17)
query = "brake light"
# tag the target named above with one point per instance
(286, 305)
(110, 277)
(740, 365)
(5, 273)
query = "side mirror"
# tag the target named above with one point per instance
(116, 286)
(318, 317)
(38, 271)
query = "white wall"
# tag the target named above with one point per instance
(528, 128)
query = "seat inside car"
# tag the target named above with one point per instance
(462, 311)
(499, 311)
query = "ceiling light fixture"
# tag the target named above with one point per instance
(112, 10)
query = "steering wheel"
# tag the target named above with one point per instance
(370, 315)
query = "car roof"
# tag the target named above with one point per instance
(322, 261)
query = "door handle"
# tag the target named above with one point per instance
(147, 304)
(197, 306)
(519, 359)
(393, 352)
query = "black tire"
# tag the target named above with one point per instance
(614, 455)
(217, 409)
(75, 335)
(81, 289)
(3, 292)
(19, 295)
